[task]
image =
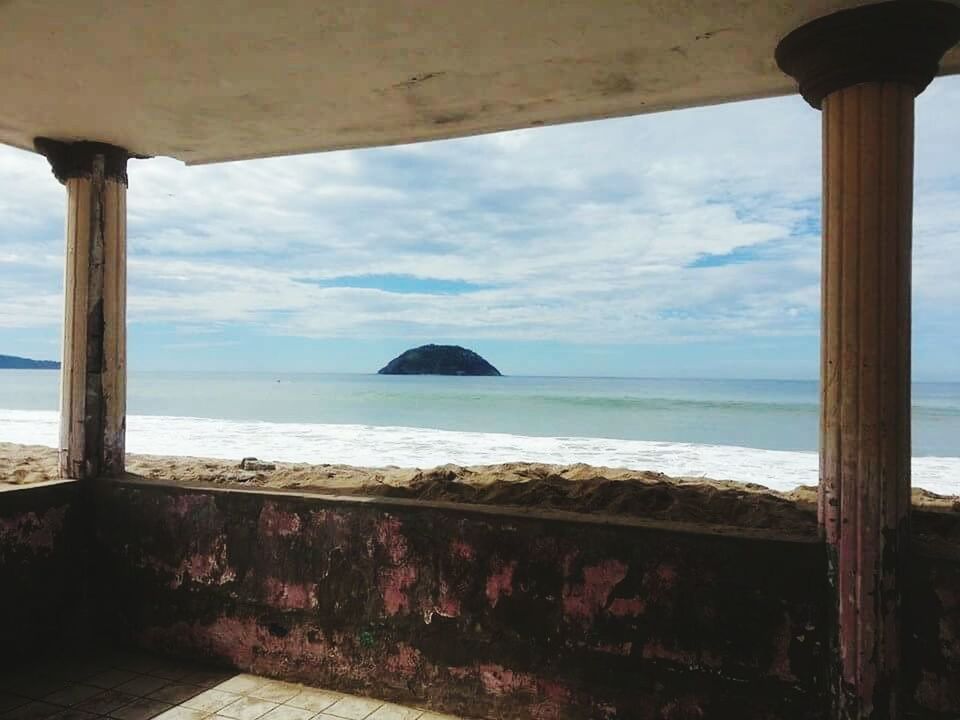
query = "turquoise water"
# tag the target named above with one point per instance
(767, 414)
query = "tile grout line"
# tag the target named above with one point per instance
(150, 679)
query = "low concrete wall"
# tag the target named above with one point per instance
(485, 612)
(43, 587)
(932, 639)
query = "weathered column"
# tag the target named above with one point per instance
(863, 68)
(93, 377)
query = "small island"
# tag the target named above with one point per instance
(439, 360)
(12, 362)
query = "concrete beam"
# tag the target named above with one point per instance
(235, 79)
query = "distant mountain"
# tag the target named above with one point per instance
(12, 362)
(439, 360)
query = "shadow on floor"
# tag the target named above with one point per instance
(135, 686)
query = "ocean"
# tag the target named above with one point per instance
(760, 431)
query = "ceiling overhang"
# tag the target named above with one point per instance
(213, 81)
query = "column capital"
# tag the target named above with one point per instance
(897, 41)
(75, 159)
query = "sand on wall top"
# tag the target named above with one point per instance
(606, 493)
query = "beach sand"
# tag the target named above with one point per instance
(578, 488)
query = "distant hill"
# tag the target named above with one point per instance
(12, 362)
(439, 360)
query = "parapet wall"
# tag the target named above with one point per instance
(931, 657)
(43, 585)
(484, 611)
(475, 610)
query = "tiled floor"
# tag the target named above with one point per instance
(123, 686)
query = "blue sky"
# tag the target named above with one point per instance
(681, 244)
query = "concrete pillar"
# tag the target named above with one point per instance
(863, 68)
(94, 373)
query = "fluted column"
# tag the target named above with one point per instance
(93, 374)
(865, 427)
(863, 68)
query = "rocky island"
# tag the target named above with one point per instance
(12, 362)
(439, 360)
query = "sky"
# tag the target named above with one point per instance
(682, 244)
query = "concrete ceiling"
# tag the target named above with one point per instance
(207, 81)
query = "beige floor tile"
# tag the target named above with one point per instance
(73, 714)
(113, 658)
(352, 708)
(171, 671)
(285, 712)
(139, 663)
(178, 692)
(181, 713)
(247, 708)
(206, 678)
(37, 687)
(210, 701)
(12, 679)
(241, 684)
(313, 699)
(78, 669)
(33, 711)
(9, 701)
(142, 685)
(105, 702)
(395, 712)
(275, 691)
(140, 709)
(175, 693)
(109, 679)
(72, 695)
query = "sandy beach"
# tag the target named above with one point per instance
(578, 488)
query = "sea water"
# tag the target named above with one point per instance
(760, 431)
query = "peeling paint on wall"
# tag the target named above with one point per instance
(500, 581)
(43, 579)
(38, 532)
(470, 613)
(582, 601)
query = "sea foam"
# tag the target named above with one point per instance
(421, 447)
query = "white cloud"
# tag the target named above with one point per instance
(588, 232)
